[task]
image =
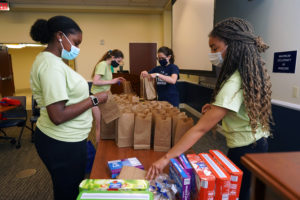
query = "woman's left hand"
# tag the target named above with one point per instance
(157, 168)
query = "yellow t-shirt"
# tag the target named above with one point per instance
(104, 70)
(236, 123)
(53, 81)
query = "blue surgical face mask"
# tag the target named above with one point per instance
(216, 59)
(69, 55)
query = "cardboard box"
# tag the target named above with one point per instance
(113, 185)
(222, 177)
(181, 178)
(115, 195)
(128, 172)
(235, 173)
(115, 166)
(189, 169)
(204, 178)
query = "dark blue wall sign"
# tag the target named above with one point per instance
(285, 62)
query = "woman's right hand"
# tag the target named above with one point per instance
(117, 80)
(102, 97)
(157, 168)
(205, 108)
(144, 74)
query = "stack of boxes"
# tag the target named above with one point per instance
(212, 176)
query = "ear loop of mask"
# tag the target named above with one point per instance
(60, 40)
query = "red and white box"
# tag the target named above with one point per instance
(222, 177)
(205, 180)
(235, 173)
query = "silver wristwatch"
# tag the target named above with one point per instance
(94, 100)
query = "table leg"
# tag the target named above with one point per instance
(258, 189)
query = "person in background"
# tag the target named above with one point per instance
(241, 99)
(63, 96)
(167, 75)
(102, 80)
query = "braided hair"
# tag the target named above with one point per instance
(243, 54)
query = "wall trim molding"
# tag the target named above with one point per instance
(197, 114)
(286, 104)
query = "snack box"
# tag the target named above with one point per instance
(222, 177)
(115, 195)
(204, 178)
(113, 185)
(235, 173)
(189, 169)
(181, 178)
(115, 166)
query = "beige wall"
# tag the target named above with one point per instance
(167, 28)
(192, 22)
(117, 31)
(22, 60)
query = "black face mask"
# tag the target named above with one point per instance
(163, 62)
(114, 64)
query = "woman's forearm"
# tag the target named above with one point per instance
(102, 82)
(186, 142)
(206, 123)
(59, 113)
(169, 79)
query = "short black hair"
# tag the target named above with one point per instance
(43, 30)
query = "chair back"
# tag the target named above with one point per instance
(18, 112)
(35, 108)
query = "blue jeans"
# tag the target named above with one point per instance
(235, 154)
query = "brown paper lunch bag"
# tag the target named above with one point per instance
(147, 88)
(124, 129)
(138, 108)
(175, 118)
(183, 125)
(142, 131)
(109, 110)
(127, 89)
(162, 133)
(107, 131)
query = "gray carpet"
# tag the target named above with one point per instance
(39, 185)
(209, 140)
(12, 161)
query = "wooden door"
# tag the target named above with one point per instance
(7, 86)
(142, 56)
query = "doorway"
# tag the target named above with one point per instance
(142, 56)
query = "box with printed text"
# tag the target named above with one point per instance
(204, 178)
(189, 169)
(235, 173)
(115, 166)
(222, 177)
(181, 178)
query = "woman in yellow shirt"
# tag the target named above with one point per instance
(63, 96)
(241, 99)
(102, 80)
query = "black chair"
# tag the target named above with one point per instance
(16, 117)
(34, 117)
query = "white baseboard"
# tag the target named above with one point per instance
(286, 104)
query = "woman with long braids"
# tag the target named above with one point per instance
(241, 99)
